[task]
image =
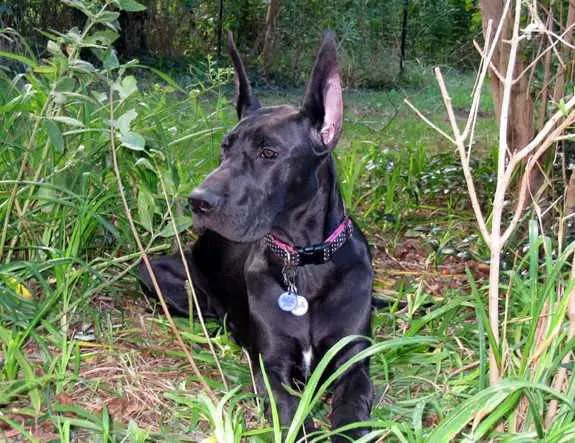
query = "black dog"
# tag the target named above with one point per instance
(276, 187)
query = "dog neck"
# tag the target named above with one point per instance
(312, 220)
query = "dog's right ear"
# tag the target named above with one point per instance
(323, 101)
(246, 101)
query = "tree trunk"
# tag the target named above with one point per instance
(267, 51)
(521, 113)
(220, 29)
(565, 55)
(542, 117)
(403, 35)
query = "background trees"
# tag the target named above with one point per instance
(176, 32)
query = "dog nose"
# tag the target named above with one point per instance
(203, 202)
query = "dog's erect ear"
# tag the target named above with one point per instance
(246, 101)
(323, 101)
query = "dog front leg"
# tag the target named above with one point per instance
(278, 376)
(351, 402)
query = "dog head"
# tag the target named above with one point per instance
(270, 158)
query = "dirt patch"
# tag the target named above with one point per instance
(408, 263)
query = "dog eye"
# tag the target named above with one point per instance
(268, 154)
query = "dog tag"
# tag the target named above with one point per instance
(301, 306)
(288, 301)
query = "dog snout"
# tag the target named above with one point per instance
(203, 201)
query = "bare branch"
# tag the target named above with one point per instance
(543, 146)
(541, 54)
(426, 120)
(542, 135)
(459, 143)
(146, 260)
(491, 65)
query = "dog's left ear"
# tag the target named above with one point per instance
(323, 101)
(246, 101)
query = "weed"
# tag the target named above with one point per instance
(85, 358)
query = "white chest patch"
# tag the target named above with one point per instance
(307, 356)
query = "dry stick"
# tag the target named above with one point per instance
(491, 65)
(252, 374)
(469, 131)
(426, 120)
(487, 55)
(542, 140)
(459, 142)
(559, 59)
(146, 260)
(478, 87)
(490, 51)
(562, 40)
(499, 198)
(541, 54)
(562, 373)
(189, 283)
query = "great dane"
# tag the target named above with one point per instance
(278, 257)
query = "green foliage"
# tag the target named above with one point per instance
(63, 238)
(67, 257)
(438, 31)
(391, 167)
(175, 34)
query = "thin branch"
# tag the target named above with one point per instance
(491, 65)
(506, 100)
(543, 146)
(541, 54)
(542, 135)
(459, 143)
(562, 372)
(426, 120)
(477, 89)
(191, 285)
(145, 258)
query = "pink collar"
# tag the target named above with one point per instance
(315, 254)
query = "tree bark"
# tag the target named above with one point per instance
(520, 130)
(403, 35)
(220, 29)
(267, 51)
(562, 70)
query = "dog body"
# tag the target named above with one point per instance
(277, 175)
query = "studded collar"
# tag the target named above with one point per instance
(317, 254)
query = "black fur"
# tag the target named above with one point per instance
(278, 175)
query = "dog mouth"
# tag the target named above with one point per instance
(227, 226)
(199, 229)
(199, 224)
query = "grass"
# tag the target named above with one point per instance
(84, 357)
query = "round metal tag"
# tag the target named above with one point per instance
(301, 306)
(288, 301)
